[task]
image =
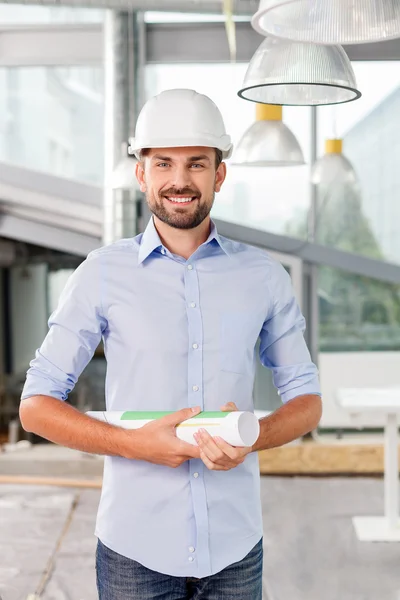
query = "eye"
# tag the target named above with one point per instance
(164, 164)
(197, 165)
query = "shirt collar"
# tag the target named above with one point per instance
(150, 240)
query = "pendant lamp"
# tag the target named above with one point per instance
(268, 142)
(290, 73)
(333, 167)
(329, 21)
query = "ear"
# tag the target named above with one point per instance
(140, 176)
(220, 176)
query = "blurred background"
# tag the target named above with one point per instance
(72, 81)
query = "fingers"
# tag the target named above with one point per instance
(182, 415)
(229, 407)
(216, 452)
(208, 446)
(190, 450)
(226, 448)
(210, 465)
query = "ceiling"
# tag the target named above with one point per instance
(241, 7)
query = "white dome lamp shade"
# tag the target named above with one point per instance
(297, 74)
(123, 177)
(333, 167)
(329, 21)
(268, 142)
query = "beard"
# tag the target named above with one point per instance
(180, 218)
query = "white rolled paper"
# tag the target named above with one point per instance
(238, 428)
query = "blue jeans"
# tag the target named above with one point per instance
(120, 578)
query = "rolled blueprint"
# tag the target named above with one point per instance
(237, 428)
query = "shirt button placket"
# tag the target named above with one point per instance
(200, 557)
(194, 335)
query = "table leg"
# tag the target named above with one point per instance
(387, 527)
(391, 476)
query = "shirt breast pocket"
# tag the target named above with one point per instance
(237, 341)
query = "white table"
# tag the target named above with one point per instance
(385, 401)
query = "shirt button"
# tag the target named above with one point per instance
(191, 558)
(191, 549)
(195, 475)
(195, 388)
(193, 305)
(195, 346)
(190, 267)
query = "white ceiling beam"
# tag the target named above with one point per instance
(241, 7)
(207, 43)
(47, 236)
(83, 44)
(51, 45)
(40, 198)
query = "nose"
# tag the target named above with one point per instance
(181, 177)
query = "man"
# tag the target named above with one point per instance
(180, 310)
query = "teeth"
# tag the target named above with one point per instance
(180, 200)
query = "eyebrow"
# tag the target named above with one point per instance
(200, 157)
(190, 159)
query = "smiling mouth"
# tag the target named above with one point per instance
(180, 199)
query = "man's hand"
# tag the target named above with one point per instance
(157, 442)
(215, 453)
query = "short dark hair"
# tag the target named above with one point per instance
(218, 156)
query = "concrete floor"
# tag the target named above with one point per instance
(311, 551)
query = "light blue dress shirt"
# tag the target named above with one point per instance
(177, 333)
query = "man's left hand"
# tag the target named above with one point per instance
(217, 454)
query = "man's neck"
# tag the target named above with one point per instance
(183, 242)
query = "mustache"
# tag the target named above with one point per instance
(182, 192)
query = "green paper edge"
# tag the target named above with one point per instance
(133, 415)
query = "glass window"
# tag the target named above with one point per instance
(28, 14)
(265, 198)
(364, 219)
(51, 120)
(357, 313)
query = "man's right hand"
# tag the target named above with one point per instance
(157, 442)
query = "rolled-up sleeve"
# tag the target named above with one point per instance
(282, 345)
(75, 330)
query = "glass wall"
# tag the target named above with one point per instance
(264, 198)
(367, 215)
(51, 120)
(357, 313)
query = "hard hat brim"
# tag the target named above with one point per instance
(224, 145)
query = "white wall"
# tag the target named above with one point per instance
(352, 370)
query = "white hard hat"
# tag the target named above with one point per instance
(177, 118)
